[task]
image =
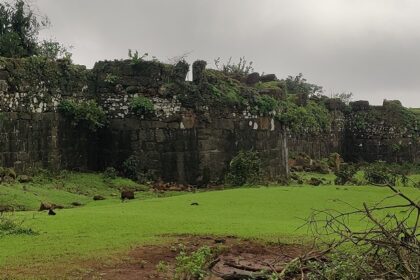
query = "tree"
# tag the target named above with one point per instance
(299, 85)
(346, 97)
(19, 30)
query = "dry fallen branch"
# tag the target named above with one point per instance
(390, 240)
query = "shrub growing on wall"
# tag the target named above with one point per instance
(313, 118)
(86, 113)
(142, 106)
(266, 104)
(244, 168)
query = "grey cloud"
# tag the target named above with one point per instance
(371, 48)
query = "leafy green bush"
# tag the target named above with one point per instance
(236, 70)
(381, 174)
(130, 167)
(340, 267)
(142, 105)
(244, 168)
(194, 265)
(110, 173)
(111, 79)
(313, 118)
(9, 226)
(266, 104)
(135, 57)
(345, 174)
(299, 85)
(86, 113)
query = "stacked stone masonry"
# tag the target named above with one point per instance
(177, 143)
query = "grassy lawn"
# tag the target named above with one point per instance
(62, 190)
(103, 227)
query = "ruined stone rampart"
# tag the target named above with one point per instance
(182, 141)
(194, 131)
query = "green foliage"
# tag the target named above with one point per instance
(391, 114)
(299, 85)
(53, 50)
(345, 174)
(39, 74)
(130, 167)
(111, 79)
(266, 104)
(142, 105)
(269, 85)
(313, 118)
(10, 226)
(380, 173)
(86, 113)
(135, 57)
(340, 266)
(345, 97)
(223, 89)
(236, 70)
(19, 28)
(110, 173)
(274, 212)
(244, 168)
(193, 266)
(162, 267)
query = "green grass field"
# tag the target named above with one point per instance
(103, 227)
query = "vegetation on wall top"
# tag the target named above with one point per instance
(35, 73)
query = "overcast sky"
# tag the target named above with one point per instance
(368, 47)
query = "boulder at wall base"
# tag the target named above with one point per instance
(127, 195)
(45, 206)
(49, 206)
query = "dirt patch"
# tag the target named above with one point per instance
(237, 256)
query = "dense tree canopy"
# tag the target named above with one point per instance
(19, 30)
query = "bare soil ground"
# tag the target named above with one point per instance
(236, 256)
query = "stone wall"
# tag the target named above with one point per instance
(192, 150)
(190, 144)
(364, 133)
(187, 139)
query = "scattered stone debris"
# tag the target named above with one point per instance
(127, 194)
(49, 206)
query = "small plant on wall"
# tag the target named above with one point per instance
(135, 57)
(142, 106)
(86, 113)
(111, 79)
